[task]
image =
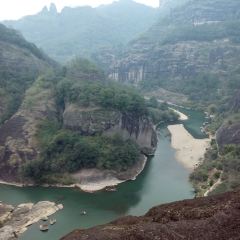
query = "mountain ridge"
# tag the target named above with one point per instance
(82, 31)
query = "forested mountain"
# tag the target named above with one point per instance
(83, 31)
(193, 50)
(20, 63)
(58, 120)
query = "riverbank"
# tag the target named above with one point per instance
(12, 184)
(14, 221)
(189, 151)
(93, 180)
(182, 116)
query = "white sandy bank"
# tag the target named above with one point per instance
(92, 180)
(182, 116)
(188, 149)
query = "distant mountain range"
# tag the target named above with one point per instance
(82, 31)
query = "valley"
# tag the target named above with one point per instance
(163, 180)
(112, 110)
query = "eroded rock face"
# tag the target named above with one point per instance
(164, 57)
(91, 121)
(173, 61)
(139, 129)
(17, 135)
(215, 217)
(228, 134)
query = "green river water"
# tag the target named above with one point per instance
(163, 180)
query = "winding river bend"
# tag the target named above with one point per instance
(163, 180)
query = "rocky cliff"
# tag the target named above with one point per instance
(229, 132)
(203, 218)
(22, 106)
(18, 143)
(199, 38)
(92, 121)
(34, 91)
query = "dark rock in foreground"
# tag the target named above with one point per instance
(216, 217)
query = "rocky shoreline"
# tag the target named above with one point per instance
(94, 180)
(15, 220)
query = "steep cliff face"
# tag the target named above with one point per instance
(92, 121)
(176, 61)
(18, 143)
(228, 134)
(22, 106)
(198, 38)
(203, 218)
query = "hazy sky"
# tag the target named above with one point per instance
(14, 9)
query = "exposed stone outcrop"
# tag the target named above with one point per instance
(173, 62)
(91, 121)
(139, 129)
(215, 217)
(17, 135)
(15, 220)
(228, 134)
(92, 180)
(188, 42)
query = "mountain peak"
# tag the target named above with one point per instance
(44, 10)
(53, 8)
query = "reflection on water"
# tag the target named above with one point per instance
(163, 180)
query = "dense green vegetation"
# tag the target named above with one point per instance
(64, 151)
(109, 96)
(12, 36)
(160, 113)
(20, 64)
(224, 166)
(222, 160)
(192, 49)
(84, 31)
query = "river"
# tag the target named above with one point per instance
(163, 180)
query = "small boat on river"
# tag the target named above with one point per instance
(83, 213)
(52, 221)
(43, 227)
